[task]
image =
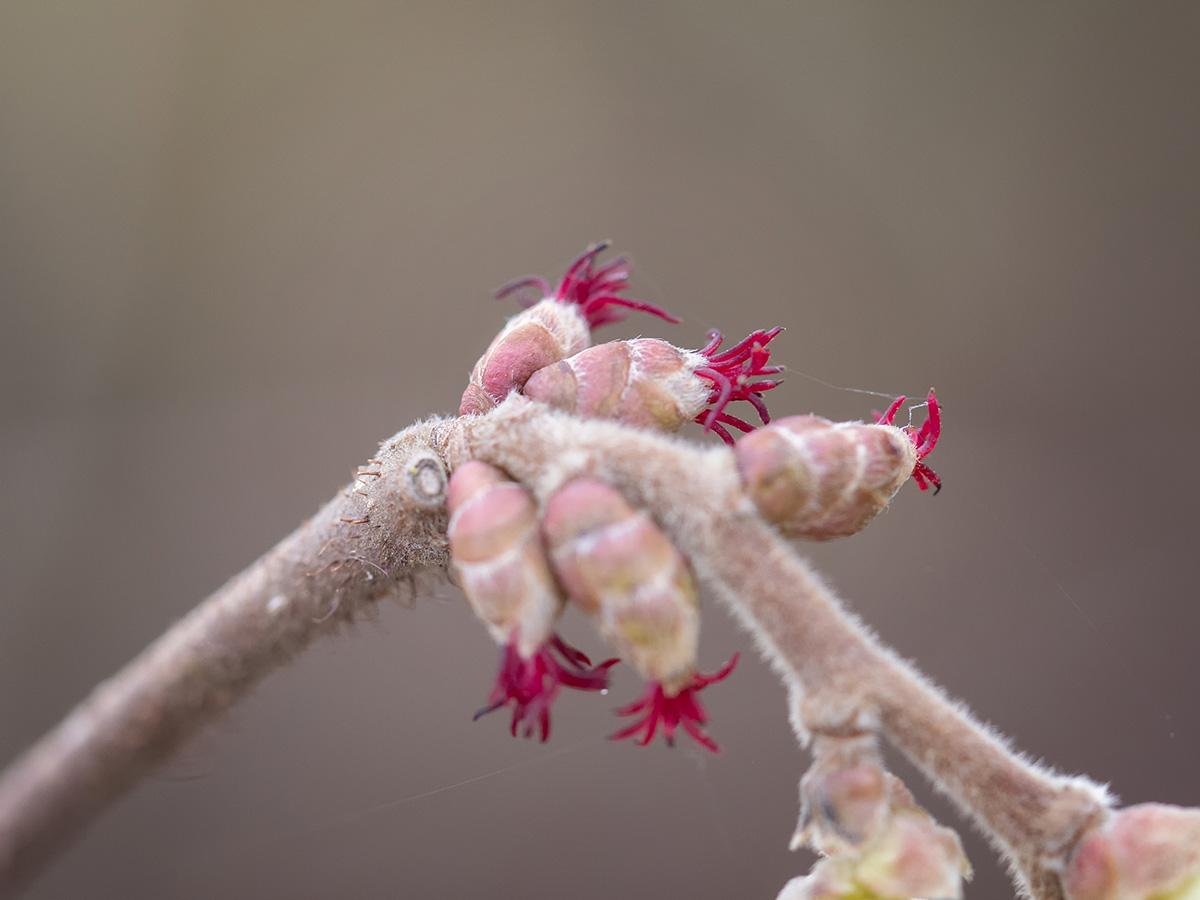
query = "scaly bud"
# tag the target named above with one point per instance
(903, 854)
(617, 566)
(819, 480)
(503, 571)
(1146, 852)
(845, 796)
(552, 328)
(653, 384)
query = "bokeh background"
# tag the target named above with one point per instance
(242, 242)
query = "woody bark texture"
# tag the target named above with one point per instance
(370, 540)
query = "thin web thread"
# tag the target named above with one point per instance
(403, 801)
(242, 845)
(1045, 569)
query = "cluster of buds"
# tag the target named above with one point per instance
(613, 563)
(522, 563)
(520, 567)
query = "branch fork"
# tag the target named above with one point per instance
(723, 516)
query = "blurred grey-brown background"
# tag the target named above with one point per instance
(242, 242)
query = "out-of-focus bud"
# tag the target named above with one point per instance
(617, 566)
(909, 856)
(845, 796)
(1145, 852)
(653, 384)
(556, 324)
(915, 858)
(818, 479)
(497, 553)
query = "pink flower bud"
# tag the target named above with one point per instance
(617, 566)
(819, 480)
(652, 384)
(538, 337)
(552, 328)
(497, 552)
(1145, 852)
(498, 556)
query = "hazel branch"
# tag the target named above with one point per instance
(375, 537)
(556, 487)
(390, 525)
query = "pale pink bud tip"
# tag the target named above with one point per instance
(683, 708)
(731, 373)
(596, 291)
(924, 439)
(1146, 852)
(531, 685)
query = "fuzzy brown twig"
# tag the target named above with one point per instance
(375, 536)
(389, 526)
(843, 681)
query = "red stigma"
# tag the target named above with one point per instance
(730, 372)
(924, 438)
(595, 291)
(684, 708)
(531, 685)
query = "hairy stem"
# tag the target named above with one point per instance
(843, 681)
(848, 683)
(361, 546)
(389, 526)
